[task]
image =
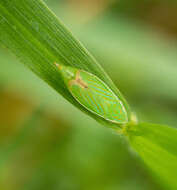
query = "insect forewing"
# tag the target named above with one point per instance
(93, 94)
(96, 96)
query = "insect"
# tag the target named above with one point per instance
(93, 94)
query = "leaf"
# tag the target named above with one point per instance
(33, 33)
(156, 144)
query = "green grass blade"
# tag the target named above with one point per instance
(156, 144)
(33, 33)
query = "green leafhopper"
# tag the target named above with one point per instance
(93, 94)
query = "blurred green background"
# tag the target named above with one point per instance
(47, 144)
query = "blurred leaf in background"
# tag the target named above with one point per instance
(45, 146)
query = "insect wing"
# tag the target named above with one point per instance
(97, 97)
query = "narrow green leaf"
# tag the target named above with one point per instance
(33, 33)
(156, 144)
